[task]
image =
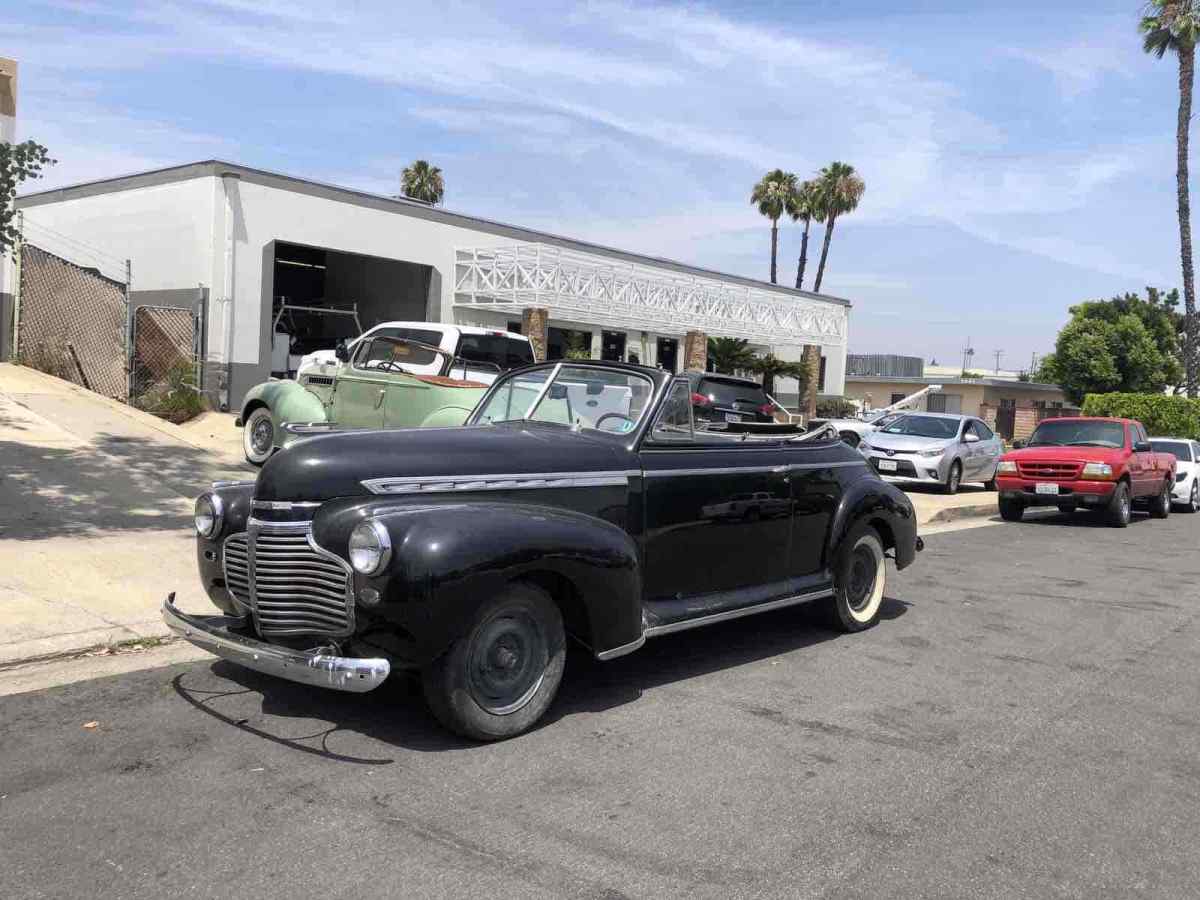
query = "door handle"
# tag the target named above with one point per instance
(379, 399)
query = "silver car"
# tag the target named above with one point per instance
(935, 448)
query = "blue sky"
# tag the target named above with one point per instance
(1019, 157)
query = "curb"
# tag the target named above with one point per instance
(955, 513)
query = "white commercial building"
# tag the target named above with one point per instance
(237, 244)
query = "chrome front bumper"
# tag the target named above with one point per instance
(212, 633)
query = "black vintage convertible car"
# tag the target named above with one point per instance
(580, 499)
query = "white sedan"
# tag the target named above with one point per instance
(1187, 470)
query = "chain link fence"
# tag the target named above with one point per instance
(72, 322)
(164, 342)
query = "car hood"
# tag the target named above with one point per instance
(906, 443)
(335, 465)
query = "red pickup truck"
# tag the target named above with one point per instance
(1105, 465)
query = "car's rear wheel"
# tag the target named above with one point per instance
(850, 437)
(1120, 507)
(954, 479)
(499, 679)
(258, 436)
(1011, 510)
(1160, 506)
(1193, 503)
(859, 579)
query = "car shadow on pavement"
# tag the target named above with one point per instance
(112, 484)
(396, 715)
(1078, 519)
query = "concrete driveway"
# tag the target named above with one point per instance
(95, 514)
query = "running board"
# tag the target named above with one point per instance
(700, 621)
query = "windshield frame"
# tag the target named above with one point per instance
(659, 380)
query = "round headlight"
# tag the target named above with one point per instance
(208, 514)
(370, 547)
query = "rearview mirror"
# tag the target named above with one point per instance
(1019, 443)
(341, 352)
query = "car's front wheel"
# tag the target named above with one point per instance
(258, 436)
(1193, 503)
(859, 579)
(1120, 507)
(849, 437)
(1011, 510)
(954, 479)
(499, 679)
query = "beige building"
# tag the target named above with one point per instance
(1012, 408)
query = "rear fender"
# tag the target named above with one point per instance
(885, 506)
(450, 557)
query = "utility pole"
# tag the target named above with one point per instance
(997, 354)
(968, 354)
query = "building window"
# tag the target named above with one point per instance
(567, 343)
(821, 378)
(896, 398)
(514, 327)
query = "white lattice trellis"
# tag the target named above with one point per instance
(597, 289)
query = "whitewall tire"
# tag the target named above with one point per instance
(258, 436)
(860, 577)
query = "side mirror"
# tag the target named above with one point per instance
(341, 352)
(1142, 446)
(1019, 443)
(970, 438)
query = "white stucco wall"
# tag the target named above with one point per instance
(165, 230)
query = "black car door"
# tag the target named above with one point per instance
(717, 510)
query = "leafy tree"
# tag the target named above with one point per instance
(421, 181)
(18, 163)
(729, 355)
(839, 190)
(805, 208)
(1125, 344)
(770, 367)
(775, 194)
(1173, 25)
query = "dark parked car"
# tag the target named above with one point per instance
(580, 499)
(727, 398)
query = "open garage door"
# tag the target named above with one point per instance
(321, 296)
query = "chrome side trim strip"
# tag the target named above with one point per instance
(283, 504)
(224, 484)
(465, 483)
(264, 525)
(734, 470)
(605, 655)
(657, 630)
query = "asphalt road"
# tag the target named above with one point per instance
(1024, 722)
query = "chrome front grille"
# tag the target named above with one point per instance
(236, 561)
(289, 586)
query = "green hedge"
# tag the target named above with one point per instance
(1163, 415)
(836, 408)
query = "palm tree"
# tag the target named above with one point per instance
(838, 191)
(805, 210)
(423, 182)
(775, 195)
(771, 367)
(1174, 25)
(729, 355)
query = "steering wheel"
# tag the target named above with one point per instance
(615, 415)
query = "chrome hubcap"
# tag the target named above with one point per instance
(261, 435)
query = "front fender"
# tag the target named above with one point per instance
(235, 497)
(885, 506)
(450, 557)
(288, 401)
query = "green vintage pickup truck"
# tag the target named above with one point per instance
(372, 386)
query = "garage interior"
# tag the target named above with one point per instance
(321, 296)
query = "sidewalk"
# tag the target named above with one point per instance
(971, 502)
(95, 514)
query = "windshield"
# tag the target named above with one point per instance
(925, 426)
(1181, 450)
(1078, 433)
(586, 397)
